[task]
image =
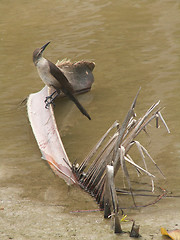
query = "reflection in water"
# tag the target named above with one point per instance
(132, 43)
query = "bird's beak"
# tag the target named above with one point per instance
(43, 47)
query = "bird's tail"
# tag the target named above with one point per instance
(81, 108)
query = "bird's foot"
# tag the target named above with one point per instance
(48, 103)
(49, 100)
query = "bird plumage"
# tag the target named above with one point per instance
(52, 76)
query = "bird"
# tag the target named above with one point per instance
(52, 76)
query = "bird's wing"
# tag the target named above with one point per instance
(60, 77)
(66, 87)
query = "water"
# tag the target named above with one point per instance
(133, 44)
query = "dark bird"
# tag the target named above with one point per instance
(52, 76)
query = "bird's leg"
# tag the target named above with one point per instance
(51, 98)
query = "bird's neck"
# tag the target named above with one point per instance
(40, 62)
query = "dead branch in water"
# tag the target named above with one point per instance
(97, 177)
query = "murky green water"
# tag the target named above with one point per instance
(133, 43)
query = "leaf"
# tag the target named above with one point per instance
(174, 234)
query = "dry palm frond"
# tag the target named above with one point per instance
(94, 174)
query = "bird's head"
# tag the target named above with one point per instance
(37, 54)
